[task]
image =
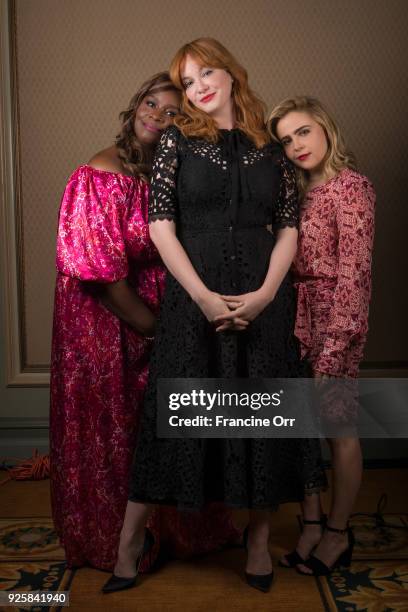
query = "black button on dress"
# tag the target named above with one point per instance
(224, 197)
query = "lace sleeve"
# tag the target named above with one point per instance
(163, 199)
(286, 213)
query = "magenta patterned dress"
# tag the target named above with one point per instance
(333, 273)
(99, 371)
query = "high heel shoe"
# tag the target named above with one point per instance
(118, 583)
(344, 560)
(293, 558)
(262, 582)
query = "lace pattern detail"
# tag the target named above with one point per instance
(222, 212)
(211, 151)
(287, 210)
(253, 156)
(162, 204)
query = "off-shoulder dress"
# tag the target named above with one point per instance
(99, 372)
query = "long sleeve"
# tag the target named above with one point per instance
(163, 197)
(90, 244)
(349, 311)
(286, 212)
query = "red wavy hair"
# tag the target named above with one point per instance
(249, 108)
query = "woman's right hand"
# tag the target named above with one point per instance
(146, 325)
(213, 305)
(121, 299)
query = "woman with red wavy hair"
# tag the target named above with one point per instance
(218, 187)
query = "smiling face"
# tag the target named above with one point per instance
(209, 89)
(154, 114)
(304, 141)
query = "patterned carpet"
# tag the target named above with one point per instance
(31, 559)
(377, 580)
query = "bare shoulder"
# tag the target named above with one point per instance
(107, 160)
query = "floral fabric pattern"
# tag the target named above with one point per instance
(99, 372)
(333, 273)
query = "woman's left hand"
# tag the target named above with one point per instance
(321, 377)
(246, 306)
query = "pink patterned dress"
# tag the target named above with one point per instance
(99, 370)
(333, 273)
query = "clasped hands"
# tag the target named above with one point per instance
(233, 312)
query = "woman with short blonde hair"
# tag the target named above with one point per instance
(332, 271)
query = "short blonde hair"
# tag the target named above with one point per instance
(338, 156)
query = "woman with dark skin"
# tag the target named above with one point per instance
(109, 285)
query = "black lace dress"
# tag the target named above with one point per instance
(224, 198)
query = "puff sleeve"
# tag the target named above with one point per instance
(348, 318)
(90, 243)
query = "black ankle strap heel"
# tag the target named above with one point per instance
(321, 521)
(344, 560)
(340, 531)
(293, 558)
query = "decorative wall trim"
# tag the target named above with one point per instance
(12, 251)
(13, 423)
(21, 441)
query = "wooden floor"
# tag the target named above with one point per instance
(214, 582)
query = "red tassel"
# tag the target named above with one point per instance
(35, 468)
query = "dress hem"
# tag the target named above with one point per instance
(229, 504)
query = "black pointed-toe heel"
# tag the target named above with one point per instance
(118, 583)
(293, 558)
(262, 582)
(344, 560)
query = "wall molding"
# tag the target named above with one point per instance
(12, 251)
(13, 423)
(19, 438)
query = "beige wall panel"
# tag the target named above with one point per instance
(80, 62)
